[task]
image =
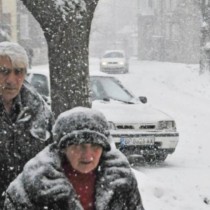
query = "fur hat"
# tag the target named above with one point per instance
(81, 125)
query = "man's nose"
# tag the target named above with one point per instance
(11, 77)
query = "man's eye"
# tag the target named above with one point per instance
(4, 70)
(19, 71)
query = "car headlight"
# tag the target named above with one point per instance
(167, 125)
(111, 126)
(103, 63)
(121, 62)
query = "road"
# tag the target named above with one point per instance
(182, 181)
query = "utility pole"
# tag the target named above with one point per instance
(115, 22)
(162, 30)
(0, 11)
(138, 32)
(205, 37)
(139, 29)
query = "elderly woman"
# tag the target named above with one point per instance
(78, 171)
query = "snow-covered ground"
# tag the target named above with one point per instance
(182, 182)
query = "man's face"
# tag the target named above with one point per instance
(11, 79)
(84, 157)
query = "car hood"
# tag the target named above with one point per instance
(112, 59)
(119, 112)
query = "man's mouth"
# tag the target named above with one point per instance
(8, 88)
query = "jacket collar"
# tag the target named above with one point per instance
(104, 192)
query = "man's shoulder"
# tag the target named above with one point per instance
(31, 98)
(28, 91)
(49, 155)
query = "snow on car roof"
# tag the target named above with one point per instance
(39, 70)
(45, 71)
(98, 73)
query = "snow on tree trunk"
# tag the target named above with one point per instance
(66, 25)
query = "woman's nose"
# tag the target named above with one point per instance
(87, 151)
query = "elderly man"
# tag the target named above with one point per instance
(79, 171)
(25, 120)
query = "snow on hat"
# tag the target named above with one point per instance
(81, 125)
(15, 52)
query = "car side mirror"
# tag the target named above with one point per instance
(143, 99)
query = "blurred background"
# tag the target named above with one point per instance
(162, 30)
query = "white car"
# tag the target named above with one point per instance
(41, 82)
(114, 61)
(138, 130)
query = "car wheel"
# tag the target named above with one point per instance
(125, 71)
(136, 160)
(162, 157)
(150, 159)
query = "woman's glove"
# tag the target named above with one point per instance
(116, 169)
(118, 177)
(43, 179)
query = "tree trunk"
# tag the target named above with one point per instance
(66, 25)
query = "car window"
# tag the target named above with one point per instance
(114, 55)
(40, 83)
(109, 88)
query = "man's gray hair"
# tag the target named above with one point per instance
(15, 52)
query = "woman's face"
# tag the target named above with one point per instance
(84, 157)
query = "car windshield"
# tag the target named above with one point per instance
(108, 88)
(114, 55)
(40, 83)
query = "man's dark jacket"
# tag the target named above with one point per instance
(22, 134)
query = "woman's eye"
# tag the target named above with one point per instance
(95, 146)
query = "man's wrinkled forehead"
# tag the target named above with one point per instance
(16, 63)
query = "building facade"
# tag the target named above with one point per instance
(18, 25)
(169, 30)
(30, 35)
(8, 20)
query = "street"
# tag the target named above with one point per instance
(182, 181)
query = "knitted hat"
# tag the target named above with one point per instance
(81, 125)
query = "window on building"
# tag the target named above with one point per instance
(6, 23)
(175, 31)
(170, 5)
(157, 5)
(167, 5)
(168, 31)
(24, 26)
(173, 4)
(150, 3)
